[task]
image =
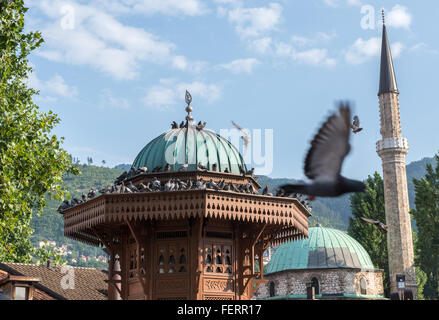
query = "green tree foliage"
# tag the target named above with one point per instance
(50, 225)
(370, 204)
(32, 161)
(46, 252)
(426, 216)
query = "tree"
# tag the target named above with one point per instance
(426, 216)
(370, 204)
(32, 162)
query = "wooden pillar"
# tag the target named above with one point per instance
(149, 259)
(195, 258)
(237, 260)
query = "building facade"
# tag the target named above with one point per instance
(331, 261)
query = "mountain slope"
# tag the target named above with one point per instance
(331, 212)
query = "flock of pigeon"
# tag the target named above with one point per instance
(200, 126)
(175, 184)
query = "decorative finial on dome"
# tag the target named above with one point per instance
(384, 18)
(188, 98)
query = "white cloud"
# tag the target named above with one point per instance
(241, 65)
(399, 17)
(170, 92)
(97, 39)
(356, 3)
(284, 49)
(150, 7)
(314, 57)
(252, 22)
(422, 46)
(336, 3)
(261, 45)
(396, 49)
(300, 41)
(320, 37)
(56, 85)
(363, 50)
(108, 100)
(331, 3)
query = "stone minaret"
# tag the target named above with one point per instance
(392, 150)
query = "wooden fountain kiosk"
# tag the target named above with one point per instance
(186, 243)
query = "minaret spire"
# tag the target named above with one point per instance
(392, 149)
(387, 72)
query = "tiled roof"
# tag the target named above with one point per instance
(89, 283)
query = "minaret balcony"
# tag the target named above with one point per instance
(388, 144)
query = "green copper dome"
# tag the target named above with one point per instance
(324, 248)
(191, 146)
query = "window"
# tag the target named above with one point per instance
(272, 289)
(21, 293)
(218, 258)
(171, 257)
(315, 284)
(363, 286)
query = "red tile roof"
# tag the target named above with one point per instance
(89, 283)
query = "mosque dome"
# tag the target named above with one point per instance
(324, 248)
(191, 146)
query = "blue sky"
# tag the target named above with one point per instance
(115, 71)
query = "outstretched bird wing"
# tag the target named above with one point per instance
(369, 220)
(329, 147)
(245, 137)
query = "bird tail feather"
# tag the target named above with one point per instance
(294, 188)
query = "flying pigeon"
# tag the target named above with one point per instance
(325, 158)
(356, 125)
(381, 226)
(245, 138)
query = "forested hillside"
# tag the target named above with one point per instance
(331, 212)
(50, 225)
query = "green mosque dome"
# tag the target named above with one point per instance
(188, 145)
(324, 248)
